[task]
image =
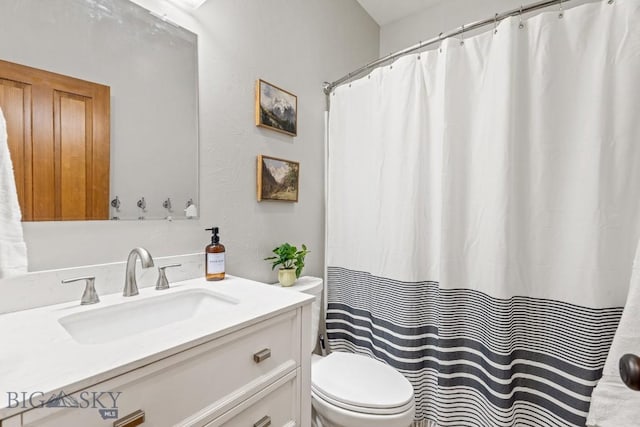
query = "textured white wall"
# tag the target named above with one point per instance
(294, 44)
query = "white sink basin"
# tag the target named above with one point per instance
(102, 325)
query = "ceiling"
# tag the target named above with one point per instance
(386, 11)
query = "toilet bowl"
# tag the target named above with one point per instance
(352, 390)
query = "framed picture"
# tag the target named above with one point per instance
(276, 109)
(277, 179)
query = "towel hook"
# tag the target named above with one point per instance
(142, 205)
(167, 205)
(521, 26)
(115, 203)
(561, 14)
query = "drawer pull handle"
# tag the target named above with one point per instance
(132, 420)
(264, 422)
(262, 355)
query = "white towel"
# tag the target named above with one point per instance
(13, 251)
(613, 404)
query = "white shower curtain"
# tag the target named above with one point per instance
(483, 212)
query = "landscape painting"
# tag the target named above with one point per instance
(277, 179)
(276, 109)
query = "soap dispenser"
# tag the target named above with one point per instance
(214, 253)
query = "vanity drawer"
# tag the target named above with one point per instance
(275, 406)
(208, 378)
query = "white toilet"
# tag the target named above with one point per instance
(351, 390)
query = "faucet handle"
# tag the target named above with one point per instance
(90, 296)
(162, 282)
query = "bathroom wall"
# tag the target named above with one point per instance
(445, 16)
(293, 44)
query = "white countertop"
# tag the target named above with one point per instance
(38, 355)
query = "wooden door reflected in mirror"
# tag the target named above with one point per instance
(58, 135)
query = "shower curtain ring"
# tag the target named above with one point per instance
(521, 26)
(462, 37)
(495, 23)
(440, 39)
(561, 14)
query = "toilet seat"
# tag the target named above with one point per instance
(360, 384)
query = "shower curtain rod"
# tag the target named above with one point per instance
(328, 87)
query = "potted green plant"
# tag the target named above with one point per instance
(291, 261)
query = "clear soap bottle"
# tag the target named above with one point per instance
(214, 253)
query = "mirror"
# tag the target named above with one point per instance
(151, 67)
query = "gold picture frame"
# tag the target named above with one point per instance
(277, 179)
(276, 108)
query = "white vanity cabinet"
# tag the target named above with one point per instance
(255, 375)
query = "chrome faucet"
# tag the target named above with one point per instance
(163, 283)
(130, 284)
(90, 296)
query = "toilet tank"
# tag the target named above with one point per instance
(312, 286)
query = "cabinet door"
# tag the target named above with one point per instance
(58, 134)
(15, 102)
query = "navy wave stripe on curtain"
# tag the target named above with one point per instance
(473, 359)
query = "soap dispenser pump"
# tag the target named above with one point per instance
(214, 253)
